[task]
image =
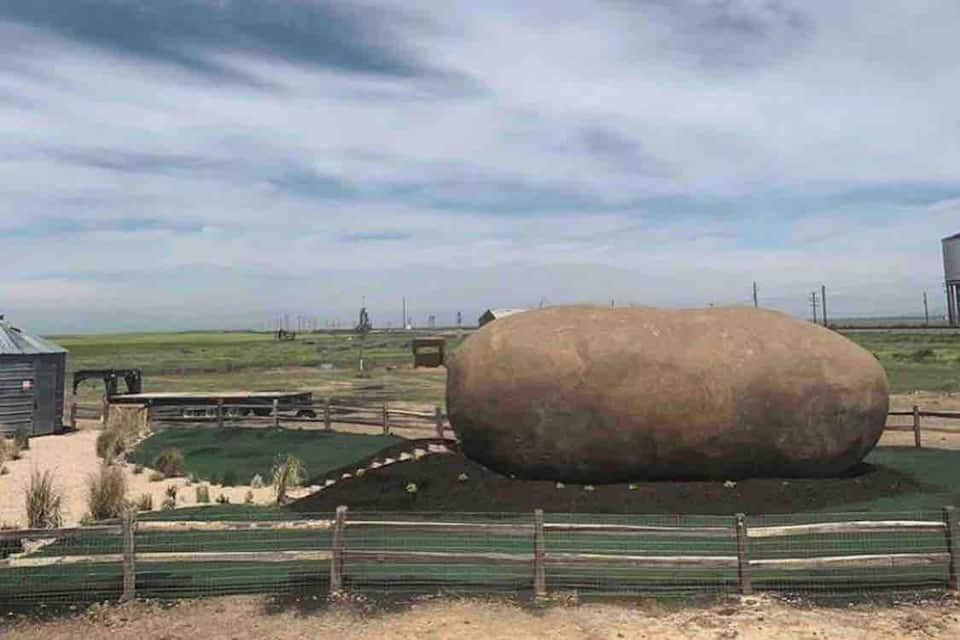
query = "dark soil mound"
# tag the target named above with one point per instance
(439, 488)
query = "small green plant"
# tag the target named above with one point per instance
(203, 494)
(43, 502)
(110, 445)
(248, 499)
(21, 438)
(230, 478)
(106, 492)
(169, 462)
(256, 482)
(223, 499)
(145, 502)
(138, 469)
(156, 476)
(288, 472)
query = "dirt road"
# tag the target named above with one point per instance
(250, 617)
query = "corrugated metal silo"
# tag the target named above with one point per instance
(31, 382)
(951, 271)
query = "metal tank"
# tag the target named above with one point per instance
(31, 382)
(951, 271)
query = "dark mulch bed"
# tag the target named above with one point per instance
(440, 489)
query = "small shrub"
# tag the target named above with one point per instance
(43, 502)
(21, 438)
(156, 476)
(138, 469)
(203, 494)
(230, 478)
(248, 499)
(145, 502)
(170, 502)
(288, 471)
(256, 482)
(169, 462)
(106, 493)
(223, 499)
(109, 445)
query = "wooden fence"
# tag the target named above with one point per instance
(339, 554)
(916, 413)
(278, 413)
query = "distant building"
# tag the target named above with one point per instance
(495, 314)
(31, 382)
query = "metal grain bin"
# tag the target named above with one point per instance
(31, 382)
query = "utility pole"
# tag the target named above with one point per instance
(755, 303)
(823, 301)
(813, 305)
(926, 310)
(403, 319)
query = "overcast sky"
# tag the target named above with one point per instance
(200, 163)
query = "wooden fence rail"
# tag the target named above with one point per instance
(340, 553)
(221, 413)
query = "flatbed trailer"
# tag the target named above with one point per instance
(234, 402)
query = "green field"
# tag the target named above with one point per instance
(209, 454)
(915, 361)
(208, 361)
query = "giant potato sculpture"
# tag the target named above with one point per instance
(605, 395)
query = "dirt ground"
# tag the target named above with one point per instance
(753, 618)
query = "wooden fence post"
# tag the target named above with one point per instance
(276, 413)
(386, 420)
(916, 426)
(129, 555)
(438, 417)
(951, 521)
(336, 551)
(220, 413)
(104, 411)
(326, 414)
(743, 556)
(539, 557)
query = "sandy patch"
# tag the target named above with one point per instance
(72, 457)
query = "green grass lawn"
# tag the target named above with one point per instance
(211, 453)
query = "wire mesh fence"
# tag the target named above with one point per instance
(170, 555)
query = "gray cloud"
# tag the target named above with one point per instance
(351, 37)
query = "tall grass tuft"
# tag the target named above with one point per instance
(106, 493)
(169, 462)
(288, 472)
(44, 502)
(110, 445)
(21, 438)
